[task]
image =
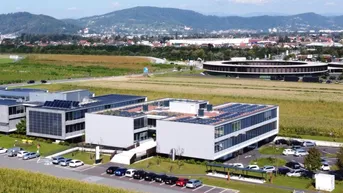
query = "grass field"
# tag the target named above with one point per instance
(16, 181)
(271, 150)
(305, 108)
(49, 67)
(45, 149)
(86, 157)
(261, 162)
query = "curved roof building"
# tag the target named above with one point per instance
(270, 68)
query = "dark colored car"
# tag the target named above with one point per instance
(182, 182)
(150, 177)
(120, 172)
(138, 175)
(111, 169)
(283, 171)
(43, 81)
(160, 178)
(30, 82)
(295, 142)
(293, 165)
(281, 142)
(171, 180)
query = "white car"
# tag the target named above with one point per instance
(238, 165)
(295, 173)
(129, 173)
(21, 154)
(3, 150)
(288, 152)
(253, 167)
(75, 163)
(269, 168)
(325, 167)
(300, 152)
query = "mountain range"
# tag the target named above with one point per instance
(162, 19)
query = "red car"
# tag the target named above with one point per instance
(182, 182)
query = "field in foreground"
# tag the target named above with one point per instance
(49, 67)
(305, 108)
(15, 181)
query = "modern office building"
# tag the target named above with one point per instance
(63, 118)
(193, 128)
(265, 68)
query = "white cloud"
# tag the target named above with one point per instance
(250, 1)
(115, 4)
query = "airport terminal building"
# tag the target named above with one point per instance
(193, 128)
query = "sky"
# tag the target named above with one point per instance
(81, 8)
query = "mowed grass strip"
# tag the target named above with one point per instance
(15, 181)
(86, 157)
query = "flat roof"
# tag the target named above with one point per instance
(160, 110)
(8, 102)
(18, 92)
(65, 105)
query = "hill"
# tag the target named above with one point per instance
(23, 22)
(171, 18)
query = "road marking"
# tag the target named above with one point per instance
(183, 187)
(161, 184)
(131, 179)
(173, 185)
(122, 177)
(223, 191)
(209, 190)
(87, 169)
(151, 182)
(103, 174)
(141, 180)
(112, 175)
(197, 188)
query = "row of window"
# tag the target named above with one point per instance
(232, 141)
(141, 136)
(81, 113)
(256, 63)
(16, 110)
(45, 123)
(266, 69)
(244, 123)
(140, 123)
(75, 127)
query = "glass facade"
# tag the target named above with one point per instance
(140, 123)
(45, 123)
(232, 141)
(141, 136)
(75, 127)
(244, 123)
(16, 110)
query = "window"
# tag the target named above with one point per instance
(45, 123)
(140, 123)
(236, 126)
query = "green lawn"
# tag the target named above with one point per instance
(5, 60)
(269, 162)
(271, 150)
(86, 157)
(45, 148)
(322, 138)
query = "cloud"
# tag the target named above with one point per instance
(115, 4)
(250, 1)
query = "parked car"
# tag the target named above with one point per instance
(3, 150)
(160, 178)
(129, 173)
(43, 81)
(325, 167)
(283, 171)
(150, 176)
(182, 182)
(295, 173)
(21, 154)
(30, 155)
(111, 169)
(281, 142)
(75, 163)
(253, 167)
(323, 160)
(300, 152)
(57, 160)
(288, 152)
(171, 180)
(293, 165)
(120, 172)
(238, 165)
(13, 151)
(30, 82)
(296, 147)
(309, 144)
(193, 184)
(295, 142)
(65, 162)
(269, 169)
(139, 174)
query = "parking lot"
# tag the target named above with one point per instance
(97, 174)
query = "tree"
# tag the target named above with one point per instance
(339, 155)
(191, 68)
(312, 161)
(340, 77)
(21, 127)
(178, 68)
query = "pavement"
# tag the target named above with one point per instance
(96, 174)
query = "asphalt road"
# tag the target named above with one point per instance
(96, 174)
